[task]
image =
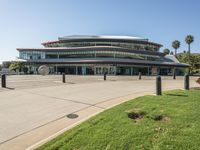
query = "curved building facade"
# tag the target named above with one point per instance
(95, 55)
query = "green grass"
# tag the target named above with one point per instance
(112, 129)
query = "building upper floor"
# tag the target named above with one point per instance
(130, 42)
(123, 47)
(89, 52)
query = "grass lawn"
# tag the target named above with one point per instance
(167, 122)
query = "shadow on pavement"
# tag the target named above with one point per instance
(9, 88)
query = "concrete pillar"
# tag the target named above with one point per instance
(76, 70)
(56, 69)
(148, 71)
(83, 70)
(131, 71)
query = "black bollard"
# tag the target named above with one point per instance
(63, 78)
(104, 76)
(3, 81)
(186, 82)
(140, 75)
(174, 75)
(158, 86)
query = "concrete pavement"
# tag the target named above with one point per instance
(37, 108)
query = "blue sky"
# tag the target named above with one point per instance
(28, 23)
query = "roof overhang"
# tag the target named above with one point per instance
(108, 61)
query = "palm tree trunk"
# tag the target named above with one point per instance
(175, 51)
(189, 58)
(189, 52)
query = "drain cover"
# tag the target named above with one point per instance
(72, 116)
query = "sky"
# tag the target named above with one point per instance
(28, 23)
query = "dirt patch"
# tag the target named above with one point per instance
(166, 119)
(161, 118)
(136, 114)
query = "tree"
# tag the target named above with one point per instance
(176, 45)
(6, 64)
(189, 39)
(166, 51)
(16, 66)
(194, 61)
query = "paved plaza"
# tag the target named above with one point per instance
(34, 107)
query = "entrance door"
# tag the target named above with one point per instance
(100, 70)
(105, 70)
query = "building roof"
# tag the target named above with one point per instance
(72, 37)
(172, 57)
(114, 38)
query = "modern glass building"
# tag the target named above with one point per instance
(95, 55)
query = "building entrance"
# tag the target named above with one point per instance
(110, 70)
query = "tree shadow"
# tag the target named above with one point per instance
(70, 82)
(196, 88)
(181, 95)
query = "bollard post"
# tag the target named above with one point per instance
(174, 74)
(158, 86)
(3, 81)
(140, 75)
(104, 76)
(63, 78)
(186, 82)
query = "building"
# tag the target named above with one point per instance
(95, 55)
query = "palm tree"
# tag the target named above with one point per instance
(176, 44)
(189, 39)
(166, 51)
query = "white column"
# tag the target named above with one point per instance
(76, 70)
(56, 69)
(131, 71)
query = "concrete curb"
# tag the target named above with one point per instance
(125, 99)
